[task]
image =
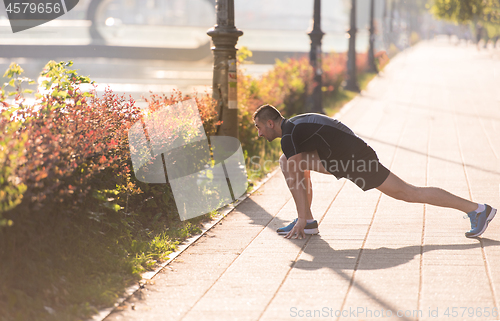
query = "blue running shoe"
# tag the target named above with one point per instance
(311, 228)
(479, 221)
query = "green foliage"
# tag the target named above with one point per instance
(61, 82)
(12, 145)
(492, 29)
(473, 12)
(465, 11)
(71, 138)
(243, 54)
(13, 73)
(11, 151)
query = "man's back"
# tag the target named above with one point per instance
(310, 132)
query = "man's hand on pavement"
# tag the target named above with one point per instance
(298, 229)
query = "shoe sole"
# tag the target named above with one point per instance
(488, 220)
(309, 231)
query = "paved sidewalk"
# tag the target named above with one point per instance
(434, 119)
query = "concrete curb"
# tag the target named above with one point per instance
(223, 212)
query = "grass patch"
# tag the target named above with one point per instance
(57, 267)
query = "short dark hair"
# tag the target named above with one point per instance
(266, 112)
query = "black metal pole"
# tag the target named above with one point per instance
(371, 50)
(399, 23)
(315, 58)
(391, 18)
(224, 37)
(384, 25)
(352, 81)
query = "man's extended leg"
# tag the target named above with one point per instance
(396, 188)
(479, 214)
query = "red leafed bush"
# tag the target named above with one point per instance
(286, 87)
(169, 123)
(205, 104)
(382, 59)
(71, 136)
(289, 84)
(72, 145)
(334, 71)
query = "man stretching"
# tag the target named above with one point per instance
(315, 142)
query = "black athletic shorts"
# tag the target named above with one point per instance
(342, 153)
(363, 168)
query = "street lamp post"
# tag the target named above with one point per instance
(385, 26)
(371, 54)
(224, 37)
(315, 58)
(352, 82)
(391, 22)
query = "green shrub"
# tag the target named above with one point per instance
(12, 145)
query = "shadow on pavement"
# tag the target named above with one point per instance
(383, 257)
(341, 260)
(258, 215)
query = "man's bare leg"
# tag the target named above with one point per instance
(293, 170)
(396, 188)
(307, 177)
(297, 175)
(309, 161)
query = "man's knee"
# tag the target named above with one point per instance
(409, 193)
(293, 181)
(399, 189)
